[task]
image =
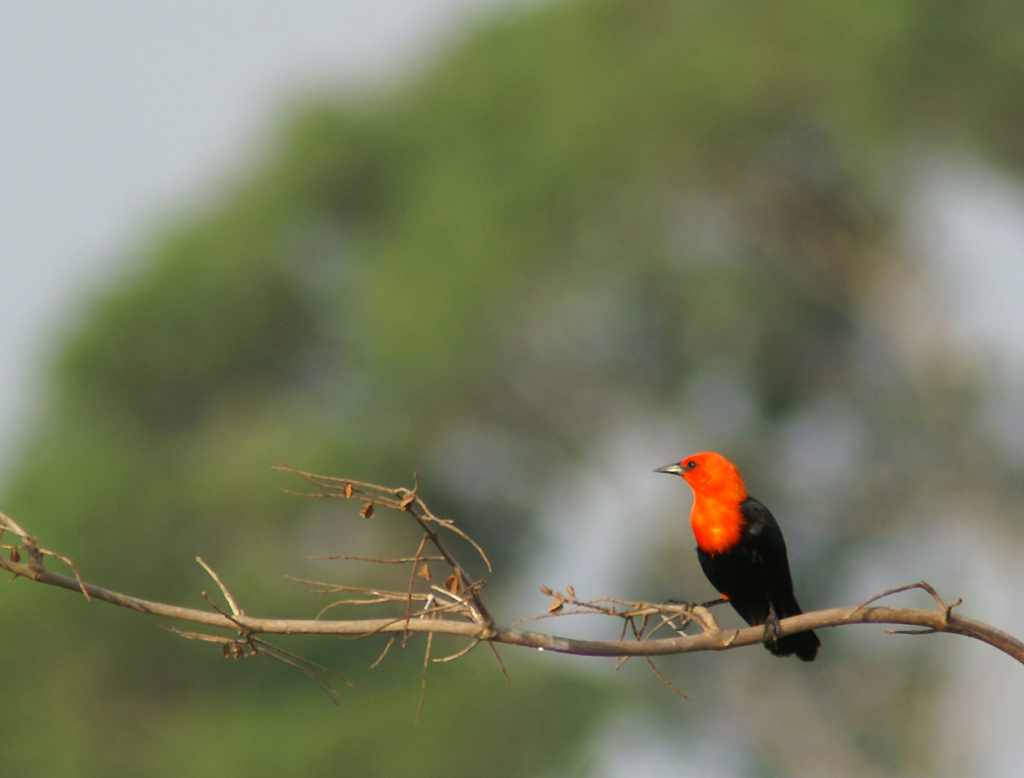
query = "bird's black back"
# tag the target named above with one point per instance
(754, 574)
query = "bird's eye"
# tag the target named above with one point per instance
(690, 465)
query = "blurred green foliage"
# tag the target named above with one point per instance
(595, 203)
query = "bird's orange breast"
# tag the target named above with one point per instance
(718, 526)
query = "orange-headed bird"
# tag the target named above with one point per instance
(741, 550)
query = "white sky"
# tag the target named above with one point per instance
(113, 113)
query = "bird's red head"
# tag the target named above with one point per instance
(710, 475)
(718, 490)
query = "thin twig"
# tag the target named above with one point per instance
(412, 583)
(897, 590)
(304, 661)
(227, 595)
(378, 601)
(326, 686)
(385, 625)
(201, 636)
(504, 672)
(664, 680)
(384, 652)
(398, 561)
(450, 525)
(463, 652)
(423, 684)
(232, 618)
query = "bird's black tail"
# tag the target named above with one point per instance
(757, 611)
(804, 644)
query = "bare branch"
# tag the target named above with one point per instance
(716, 640)
(456, 608)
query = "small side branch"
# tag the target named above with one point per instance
(224, 590)
(408, 501)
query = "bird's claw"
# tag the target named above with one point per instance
(713, 603)
(772, 628)
(684, 606)
(689, 606)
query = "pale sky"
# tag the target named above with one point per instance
(114, 115)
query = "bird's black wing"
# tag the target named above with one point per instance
(767, 548)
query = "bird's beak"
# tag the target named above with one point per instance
(673, 469)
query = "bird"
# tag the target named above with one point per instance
(742, 551)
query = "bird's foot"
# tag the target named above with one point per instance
(684, 605)
(772, 628)
(695, 612)
(691, 605)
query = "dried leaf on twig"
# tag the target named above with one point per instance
(453, 583)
